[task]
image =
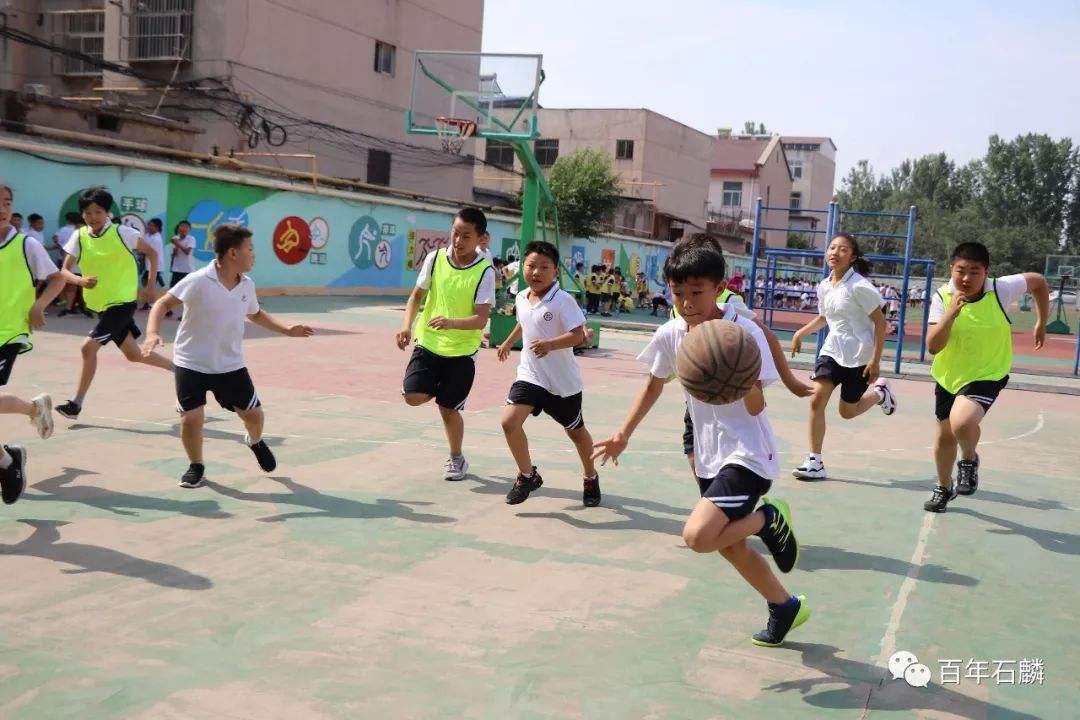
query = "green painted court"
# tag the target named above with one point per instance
(356, 583)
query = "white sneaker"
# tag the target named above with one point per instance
(888, 399)
(811, 469)
(42, 418)
(455, 468)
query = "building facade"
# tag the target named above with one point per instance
(663, 165)
(264, 79)
(813, 172)
(744, 168)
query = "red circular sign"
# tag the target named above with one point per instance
(292, 240)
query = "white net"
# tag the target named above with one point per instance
(453, 132)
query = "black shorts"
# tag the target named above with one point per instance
(233, 390)
(115, 324)
(735, 490)
(176, 277)
(447, 379)
(851, 380)
(564, 410)
(8, 353)
(984, 392)
(688, 434)
(144, 276)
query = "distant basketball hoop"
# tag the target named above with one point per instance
(453, 132)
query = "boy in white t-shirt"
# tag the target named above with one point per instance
(209, 354)
(736, 457)
(550, 324)
(23, 262)
(156, 242)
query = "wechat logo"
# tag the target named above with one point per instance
(904, 664)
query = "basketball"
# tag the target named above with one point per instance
(718, 362)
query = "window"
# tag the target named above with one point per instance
(630, 218)
(547, 152)
(732, 194)
(796, 201)
(384, 58)
(378, 167)
(624, 149)
(497, 152)
(796, 168)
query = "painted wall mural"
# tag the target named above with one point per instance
(301, 240)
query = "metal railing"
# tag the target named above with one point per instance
(160, 30)
(82, 31)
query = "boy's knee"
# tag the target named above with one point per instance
(415, 399)
(696, 539)
(191, 420)
(90, 347)
(847, 410)
(510, 424)
(818, 401)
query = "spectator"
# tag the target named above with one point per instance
(16, 221)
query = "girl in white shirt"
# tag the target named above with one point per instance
(851, 354)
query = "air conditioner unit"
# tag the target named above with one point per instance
(37, 90)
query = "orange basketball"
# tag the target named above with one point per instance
(718, 362)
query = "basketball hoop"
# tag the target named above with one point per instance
(453, 132)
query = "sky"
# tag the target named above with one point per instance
(885, 80)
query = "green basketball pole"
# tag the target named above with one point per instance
(1059, 326)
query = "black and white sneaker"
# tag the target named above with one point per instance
(939, 499)
(193, 478)
(888, 399)
(13, 477)
(811, 469)
(70, 410)
(590, 492)
(455, 468)
(783, 619)
(524, 485)
(779, 535)
(967, 476)
(263, 454)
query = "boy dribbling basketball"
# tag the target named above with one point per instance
(736, 456)
(459, 286)
(550, 324)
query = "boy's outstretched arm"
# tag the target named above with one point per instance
(797, 387)
(643, 403)
(1040, 290)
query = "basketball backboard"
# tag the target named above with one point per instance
(496, 91)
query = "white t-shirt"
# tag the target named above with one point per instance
(557, 313)
(36, 234)
(155, 241)
(513, 282)
(41, 265)
(485, 293)
(184, 262)
(847, 307)
(211, 334)
(1010, 288)
(723, 434)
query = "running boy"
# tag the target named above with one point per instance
(549, 324)
(850, 357)
(110, 282)
(971, 338)
(23, 263)
(459, 285)
(736, 459)
(209, 353)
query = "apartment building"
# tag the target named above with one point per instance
(813, 172)
(744, 168)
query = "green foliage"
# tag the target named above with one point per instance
(752, 128)
(1022, 200)
(586, 190)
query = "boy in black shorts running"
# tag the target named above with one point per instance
(550, 324)
(209, 352)
(110, 280)
(458, 284)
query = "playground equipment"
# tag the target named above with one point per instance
(494, 96)
(834, 216)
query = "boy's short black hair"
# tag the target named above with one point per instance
(695, 259)
(96, 196)
(72, 218)
(155, 222)
(973, 251)
(16, 215)
(542, 248)
(229, 236)
(34, 217)
(475, 217)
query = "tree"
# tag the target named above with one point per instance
(749, 128)
(586, 190)
(1027, 180)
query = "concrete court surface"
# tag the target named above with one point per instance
(355, 583)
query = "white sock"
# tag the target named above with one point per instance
(5, 459)
(815, 456)
(78, 400)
